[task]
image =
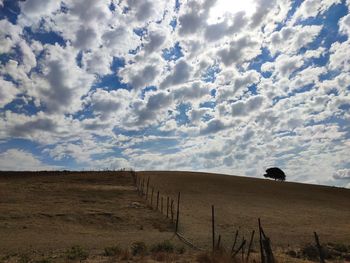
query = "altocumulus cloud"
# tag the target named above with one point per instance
(177, 84)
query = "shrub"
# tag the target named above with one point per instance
(310, 252)
(112, 251)
(44, 260)
(180, 250)
(76, 253)
(219, 256)
(138, 248)
(24, 258)
(165, 246)
(125, 254)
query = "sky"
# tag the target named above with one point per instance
(219, 86)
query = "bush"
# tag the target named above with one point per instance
(24, 258)
(310, 252)
(138, 248)
(44, 260)
(165, 246)
(125, 254)
(76, 253)
(112, 251)
(180, 250)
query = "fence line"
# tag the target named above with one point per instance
(266, 253)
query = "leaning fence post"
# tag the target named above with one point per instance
(261, 245)
(213, 226)
(234, 242)
(320, 251)
(250, 245)
(177, 213)
(219, 241)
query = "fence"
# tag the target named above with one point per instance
(237, 249)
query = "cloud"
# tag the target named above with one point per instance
(101, 83)
(244, 108)
(291, 39)
(179, 75)
(312, 8)
(213, 126)
(20, 160)
(284, 65)
(342, 174)
(344, 25)
(8, 92)
(28, 128)
(63, 82)
(35, 9)
(239, 50)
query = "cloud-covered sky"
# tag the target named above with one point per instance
(220, 86)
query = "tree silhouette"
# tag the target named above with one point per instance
(275, 173)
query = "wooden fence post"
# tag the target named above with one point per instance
(319, 248)
(167, 206)
(152, 197)
(157, 200)
(250, 245)
(213, 225)
(219, 241)
(172, 210)
(143, 187)
(262, 255)
(234, 242)
(147, 188)
(161, 204)
(177, 213)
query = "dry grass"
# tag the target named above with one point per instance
(43, 215)
(56, 212)
(290, 212)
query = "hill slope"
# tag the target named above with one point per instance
(290, 212)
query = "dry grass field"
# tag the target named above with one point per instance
(47, 213)
(290, 212)
(54, 212)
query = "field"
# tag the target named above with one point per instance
(47, 213)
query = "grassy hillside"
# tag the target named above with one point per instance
(290, 212)
(46, 213)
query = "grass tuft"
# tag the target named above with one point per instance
(165, 246)
(112, 251)
(138, 248)
(76, 253)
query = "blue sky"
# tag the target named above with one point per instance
(177, 85)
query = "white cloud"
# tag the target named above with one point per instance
(33, 10)
(8, 92)
(312, 8)
(339, 59)
(239, 50)
(342, 174)
(20, 160)
(290, 40)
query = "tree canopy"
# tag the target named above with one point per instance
(275, 173)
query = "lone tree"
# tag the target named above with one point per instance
(275, 173)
